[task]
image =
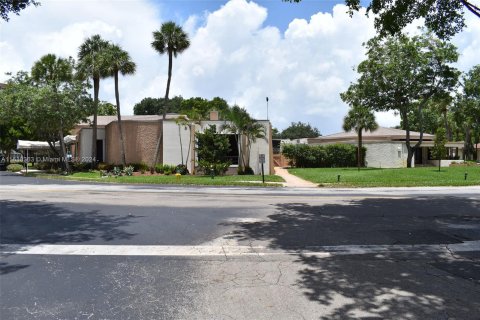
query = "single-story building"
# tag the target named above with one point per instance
(386, 147)
(141, 134)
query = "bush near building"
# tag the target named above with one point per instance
(333, 155)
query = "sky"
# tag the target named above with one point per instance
(300, 56)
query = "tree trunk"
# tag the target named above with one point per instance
(63, 149)
(167, 91)
(359, 151)
(63, 152)
(119, 118)
(192, 139)
(466, 143)
(157, 148)
(96, 88)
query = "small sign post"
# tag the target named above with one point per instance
(261, 159)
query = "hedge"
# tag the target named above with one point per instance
(332, 155)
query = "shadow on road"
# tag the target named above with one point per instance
(34, 223)
(373, 286)
(368, 222)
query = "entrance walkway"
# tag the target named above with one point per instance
(293, 181)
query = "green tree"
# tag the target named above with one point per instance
(359, 119)
(467, 110)
(155, 106)
(117, 60)
(55, 74)
(445, 18)
(239, 120)
(13, 125)
(439, 150)
(299, 130)
(14, 6)
(212, 149)
(106, 109)
(49, 104)
(253, 131)
(404, 74)
(91, 65)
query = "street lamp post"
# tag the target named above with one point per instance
(267, 108)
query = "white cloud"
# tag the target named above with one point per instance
(233, 54)
(302, 71)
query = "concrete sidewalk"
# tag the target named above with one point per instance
(293, 181)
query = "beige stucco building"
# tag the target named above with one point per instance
(141, 134)
(386, 147)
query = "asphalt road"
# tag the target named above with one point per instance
(98, 251)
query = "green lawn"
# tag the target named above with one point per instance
(253, 180)
(403, 177)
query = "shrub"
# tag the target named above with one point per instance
(182, 169)
(159, 168)
(308, 156)
(219, 169)
(14, 167)
(248, 171)
(81, 166)
(142, 166)
(105, 166)
(117, 172)
(128, 171)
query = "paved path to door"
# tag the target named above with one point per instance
(293, 181)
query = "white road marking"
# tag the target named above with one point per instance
(238, 250)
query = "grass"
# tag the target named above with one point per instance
(247, 180)
(402, 177)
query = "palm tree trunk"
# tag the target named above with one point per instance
(119, 118)
(167, 91)
(192, 139)
(96, 89)
(157, 148)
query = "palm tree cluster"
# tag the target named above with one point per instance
(99, 59)
(246, 131)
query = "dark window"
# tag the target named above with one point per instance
(99, 151)
(232, 155)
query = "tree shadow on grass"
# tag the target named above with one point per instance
(430, 285)
(34, 223)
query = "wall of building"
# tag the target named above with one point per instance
(172, 153)
(386, 155)
(140, 142)
(85, 143)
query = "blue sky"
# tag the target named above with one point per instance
(301, 56)
(280, 13)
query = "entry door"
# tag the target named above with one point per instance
(99, 150)
(419, 156)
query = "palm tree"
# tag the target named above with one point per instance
(239, 120)
(359, 119)
(52, 71)
(91, 65)
(254, 130)
(117, 60)
(170, 39)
